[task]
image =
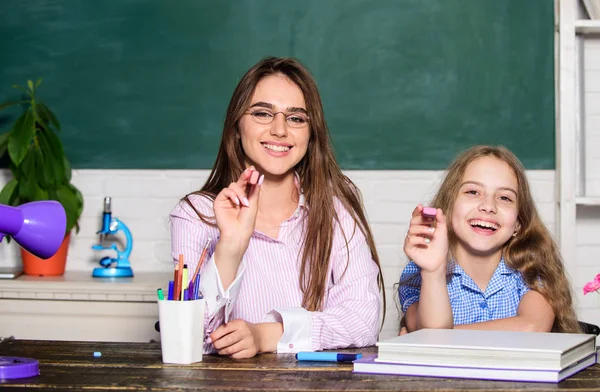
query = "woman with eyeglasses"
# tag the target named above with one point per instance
(292, 265)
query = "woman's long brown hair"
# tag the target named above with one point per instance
(532, 251)
(321, 179)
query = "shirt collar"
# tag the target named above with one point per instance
(494, 285)
(501, 269)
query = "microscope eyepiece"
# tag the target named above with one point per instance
(107, 205)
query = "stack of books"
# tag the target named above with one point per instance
(488, 355)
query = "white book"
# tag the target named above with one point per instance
(593, 8)
(489, 349)
(370, 365)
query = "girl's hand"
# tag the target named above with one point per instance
(427, 241)
(235, 211)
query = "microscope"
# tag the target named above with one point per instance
(113, 267)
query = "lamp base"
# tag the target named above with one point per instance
(18, 367)
(113, 272)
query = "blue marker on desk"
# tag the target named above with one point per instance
(326, 356)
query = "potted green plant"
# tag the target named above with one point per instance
(40, 169)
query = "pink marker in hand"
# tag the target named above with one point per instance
(429, 212)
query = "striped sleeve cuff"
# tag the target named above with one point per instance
(215, 295)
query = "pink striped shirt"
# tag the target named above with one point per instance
(267, 288)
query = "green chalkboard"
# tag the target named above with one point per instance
(406, 84)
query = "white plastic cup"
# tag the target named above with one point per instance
(181, 330)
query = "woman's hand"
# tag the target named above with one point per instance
(427, 241)
(235, 211)
(241, 339)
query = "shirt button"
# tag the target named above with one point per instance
(291, 345)
(483, 305)
(218, 297)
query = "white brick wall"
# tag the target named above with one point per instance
(142, 199)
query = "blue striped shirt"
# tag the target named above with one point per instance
(469, 304)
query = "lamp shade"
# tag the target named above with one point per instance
(39, 227)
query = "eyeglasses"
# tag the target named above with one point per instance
(294, 120)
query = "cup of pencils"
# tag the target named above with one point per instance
(181, 317)
(181, 330)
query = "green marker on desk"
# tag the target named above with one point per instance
(161, 296)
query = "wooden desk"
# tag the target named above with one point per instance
(138, 366)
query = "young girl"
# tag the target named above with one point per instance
(486, 261)
(293, 265)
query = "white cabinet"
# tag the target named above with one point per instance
(76, 306)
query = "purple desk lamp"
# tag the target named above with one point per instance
(39, 227)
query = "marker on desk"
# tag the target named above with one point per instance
(326, 356)
(429, 212)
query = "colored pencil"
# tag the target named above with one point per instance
(179, 273)
(201, 260)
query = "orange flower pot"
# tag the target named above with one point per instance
(55, 265)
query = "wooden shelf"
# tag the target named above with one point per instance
(80, 286)
(587, 26)
(587, 201)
